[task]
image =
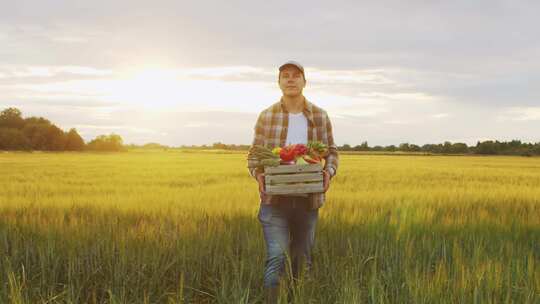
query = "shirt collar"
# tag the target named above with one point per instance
(307, 109)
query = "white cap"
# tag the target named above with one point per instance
(295, 64)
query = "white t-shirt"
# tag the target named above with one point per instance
(298, 129)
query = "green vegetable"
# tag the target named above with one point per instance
(263, 156)
(270, 162)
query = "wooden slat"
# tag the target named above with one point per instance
(291, 178)
(293, 169)
(295, 188)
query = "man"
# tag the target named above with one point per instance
(289, 222)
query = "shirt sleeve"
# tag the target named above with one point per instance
(332, 159)
(258, 139)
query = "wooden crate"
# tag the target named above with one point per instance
(294, 179)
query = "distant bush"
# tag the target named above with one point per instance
(38, 133)
(111, 142)
(514, 147)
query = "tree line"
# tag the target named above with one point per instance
(488, 147)
(37, 133)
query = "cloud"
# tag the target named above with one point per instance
(459, 33)
(68, 39)
(23, 75)
(440, 115)
(26, 71)
(68, 103)
(520, 114)
(85, 129)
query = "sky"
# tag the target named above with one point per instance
(199, 72)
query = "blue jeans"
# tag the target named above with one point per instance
(289, 229)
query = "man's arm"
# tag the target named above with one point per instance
(258, 139)
(332, 159)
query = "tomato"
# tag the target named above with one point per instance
(300, 149)
(287, 154)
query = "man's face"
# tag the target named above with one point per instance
(291, 81)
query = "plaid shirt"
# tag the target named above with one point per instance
(271, 131)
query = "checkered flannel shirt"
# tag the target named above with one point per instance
(271, 131)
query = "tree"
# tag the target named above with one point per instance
(390, 148)
(154, 145)
(56, 139)
(447, 147)
(486, 147)
(36, 130)
(346, 147)
(460, 148)
(37, 120)
(219, 145)
(11, 118)
(536, 148)
(36, 133)
(404, 147)
(13, 139)
(111, 142)
(74, 141)
(364, 146)
(414, 148)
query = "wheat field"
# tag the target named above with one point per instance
(178, 227)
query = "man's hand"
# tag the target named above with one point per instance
(260, 180)
(326, 180)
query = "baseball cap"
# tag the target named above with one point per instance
(293, 63)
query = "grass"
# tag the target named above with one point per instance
(173, 227)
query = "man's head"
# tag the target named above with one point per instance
(292, 79)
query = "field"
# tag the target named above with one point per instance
(173, 227)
